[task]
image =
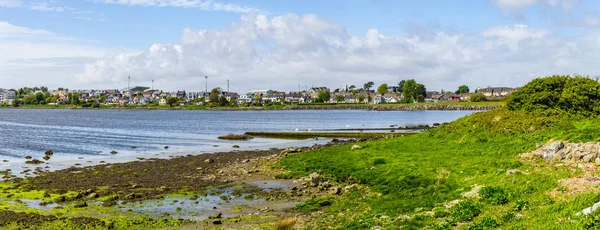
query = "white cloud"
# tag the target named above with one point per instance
(286, 51)
(31, 56)
(46, 6)
(199, 4)
(517, 5)
(10, 3)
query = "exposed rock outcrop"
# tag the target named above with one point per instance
(575, 152)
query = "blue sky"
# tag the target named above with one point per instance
(94, 43)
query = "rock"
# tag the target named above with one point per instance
(217, 216)
(335, 191)
(217, 222)
(28, 157)
(209, 161)
(589, 210)
(93, 195)
(49, 153)
(34, 161)
(474, 193)
(355, 147)
(512, 171)
(588, 158)
(80, 205)
(60, 199)
(597, 160)
(166, 147)
(551, 149)
(246, 161)
(46, 157)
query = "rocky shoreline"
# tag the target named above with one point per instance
(394, 107)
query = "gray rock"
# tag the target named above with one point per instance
(589, 210)
(551, 149)
(355, 147)
(588, 158)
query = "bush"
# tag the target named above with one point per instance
(465, 211)
(521, 205)
(314, 204)
(507, 217)
(566, 94)
(379, 161)
(486, 223)
(494, 195)
(477, 97)
(440, 212)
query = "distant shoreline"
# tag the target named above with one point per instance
(380, 107)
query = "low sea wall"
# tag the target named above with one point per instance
(393, 107)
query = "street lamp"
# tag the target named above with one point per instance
(206, 84)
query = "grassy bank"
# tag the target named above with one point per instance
(412, 176)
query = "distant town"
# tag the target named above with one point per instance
(405, 92)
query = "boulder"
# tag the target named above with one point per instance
(217, 222)
(209, 161)
(354, 147)
(551, 149)
(588, 158)
(335, 191)
(93, 195)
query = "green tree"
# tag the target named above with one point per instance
(382, 89)
(171, 101)
(323, 96)
(44, 89)
(421, 92)
(409, 91)
(361, 98)
(214, 95)
(413, 91)
(368, 85)
(39, 98)
(28, 99)
(401, 86)
(352, 87)
(75, 99)
(463, 89)
(339, 98)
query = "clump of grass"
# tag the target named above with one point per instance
(314, 204)
(287, 224)
(466, 211)
(236, 137)
(494, 195)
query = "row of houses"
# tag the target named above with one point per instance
(7, 96)
(143, 95)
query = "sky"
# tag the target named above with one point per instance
(293, 44)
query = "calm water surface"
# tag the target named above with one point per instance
(93, 134)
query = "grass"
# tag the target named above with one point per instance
(286, 224)
(236, 137)
(417, 173)
(305, 135)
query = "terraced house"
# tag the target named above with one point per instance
(7, 96)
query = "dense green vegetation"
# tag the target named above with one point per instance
(420, 174)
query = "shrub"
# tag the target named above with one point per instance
(440, 212)
(521, 205)
(477, 97)
(574, 95)
(314, 204)
(466, 211)
(507, 217)
(486, 223)
(494, 195)
(379, 161)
